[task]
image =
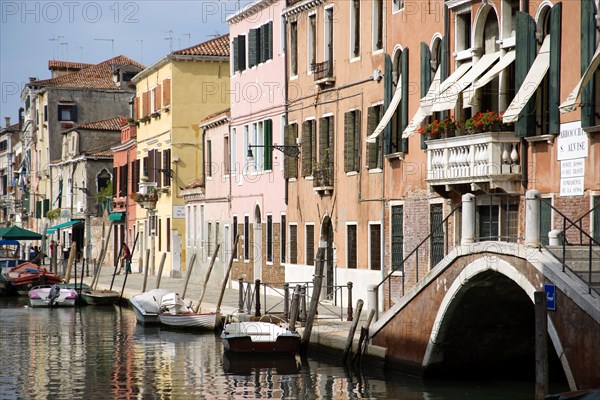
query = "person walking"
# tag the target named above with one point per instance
(125, 258)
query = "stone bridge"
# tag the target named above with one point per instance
(473, 315)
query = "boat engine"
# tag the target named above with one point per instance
(53, 295)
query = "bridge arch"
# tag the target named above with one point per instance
(489, 276)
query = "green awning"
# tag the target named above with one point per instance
(67, 224)
(115, 216)
(18, 233)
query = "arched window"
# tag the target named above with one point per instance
(489, 94)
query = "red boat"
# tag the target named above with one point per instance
(23, 277)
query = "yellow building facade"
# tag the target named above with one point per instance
(172, 96)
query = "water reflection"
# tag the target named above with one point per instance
(101, 353)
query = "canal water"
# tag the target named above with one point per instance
(101, 353)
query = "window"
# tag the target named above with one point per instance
(596, 218)
(226, 159)
(293, 244)
(246, 143)
(233, 146)
(269, 238)
(290, 162)
(268, 143)
(326, 135)
(267, 41)
(201, 226)
(159, 234)
(397, 5)
(210, 239)
(377, 24)
(463, 31)
(208, 164)
(312, 42)
(355, 29)
(167, 167)
(239, 53)
(328, 44)
(283, 241)
(294, 48)
(310, 245)
(195, 224)
(188, 226)
(217, 234)
(351, 140)
(246, 237)
(352, 246)
(375, 246)
(166, 94)
(254, 47)
(309, 147)
(67, 112)
(397, 237)
(374, 151)
(235, 233)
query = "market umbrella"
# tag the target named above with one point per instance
(18, 233)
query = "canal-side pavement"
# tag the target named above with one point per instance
(330, 330)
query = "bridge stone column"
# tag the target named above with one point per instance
(468, 218)
(532, 218)
(373, 300)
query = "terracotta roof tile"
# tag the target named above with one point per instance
(57, 64)
(218, 47)
(99, 76)
(111, 124)
(226, 112)
(102, 153)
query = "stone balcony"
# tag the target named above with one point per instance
(477, 162)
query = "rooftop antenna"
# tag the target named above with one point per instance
(141, 49)
(189, 35)
(112, 41)
(66, 44)
(55, 47)
(215, 35)
(170, 39)
(81, 50)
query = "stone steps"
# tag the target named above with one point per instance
(577, 259)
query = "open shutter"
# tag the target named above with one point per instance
(74, 113)
(269, 41)
(349, 123)
(38, 209)
(236, 55)
(425, 77)
(136, 108)
(158, 174)
(588, 47)
(46, 207)
(331, 137)
(115, 182)
(167, 165)
(387, 98)
(554, 99)
(524, 56)
(268, 141)
(157, 97)
(166, 87)
(357, 139)
(404, 101)
(372, 148)
(323, 139)
(290, 163)
(253, 56)
(313, 144)
(306, 149)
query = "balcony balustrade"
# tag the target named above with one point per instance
(485, 161)
(323, 73)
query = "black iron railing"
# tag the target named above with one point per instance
(322, 70)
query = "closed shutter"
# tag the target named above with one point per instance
(157, 168)
(145, 167)
(167, 166)
(397, 238)
(136, 176)
(323, 140)
(236, 55)
(136, 108)
(150, 168)
(38, 209)
(372, 148)
(242, 52)
(166, 88)
(269, 41)
(349, 141)
(158, 97)
(46, 207)
(545, 220)
(425, 77)
(387, 98)
(306, 149)
(146, 105)
(115, 182)
(253, 48)
(125, 179)
(588, 47)
(404, 101)
(596, 222)
(290, 163)
(524, 56)
(554, 69)
(313, 144)
(357, 139)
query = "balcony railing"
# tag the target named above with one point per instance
(323, 177)
(489, 159)
(323, 72)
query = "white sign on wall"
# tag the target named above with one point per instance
(571, 186)
(572, 142)
(178, 212)
(572, 168)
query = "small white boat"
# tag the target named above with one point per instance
(146, 306)
(176, 314)
(52, 296)
(258, 336)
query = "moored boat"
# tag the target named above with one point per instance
(52, 296)
(176, 314)
(259, 336)
(100, 297)
(146, 306)
(28, 275)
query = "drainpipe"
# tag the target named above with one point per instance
(285, 102)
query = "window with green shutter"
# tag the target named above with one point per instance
(235, 54)
(525, 54)
(268, 143)
(588, 47)
(374, 156)
(241, 53)
(425, 77)
(253, 47)
(309, 147)
(266, 36)
(554, 99)
(351, 140)
(38, 209)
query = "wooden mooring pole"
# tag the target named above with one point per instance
(207, 277)
(188, 275)
(146, 270)
(226, 277)
(348, 348)
(314, 301)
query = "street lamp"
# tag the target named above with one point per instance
(291, 150)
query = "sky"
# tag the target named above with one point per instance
(34, 32)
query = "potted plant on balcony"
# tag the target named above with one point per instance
(488, 121)
(448, 126)
(147, 200)
(430, 129)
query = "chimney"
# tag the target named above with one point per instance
(7, 119)
(32, 79)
